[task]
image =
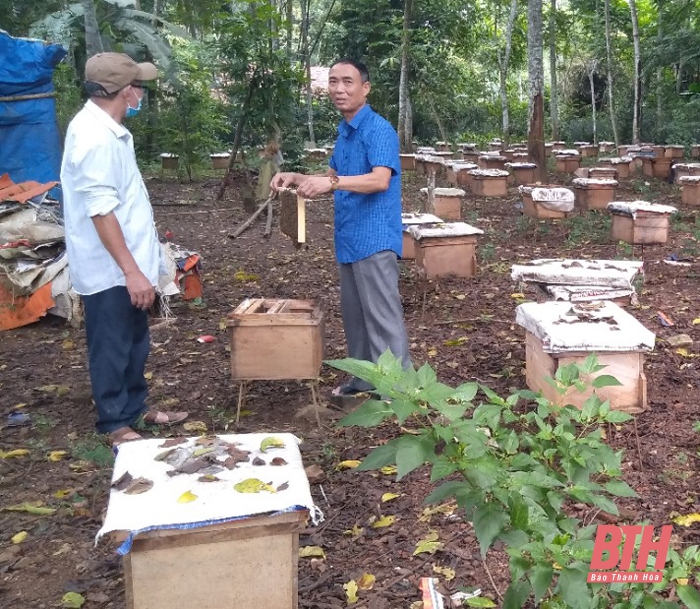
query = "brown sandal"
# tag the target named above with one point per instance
(164, 417)
(123, 434)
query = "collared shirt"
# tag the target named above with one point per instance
(99, 175)
(367, 223)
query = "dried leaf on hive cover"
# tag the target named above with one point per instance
(170, 442)
(282, 487)
(208, 441)
(253, 485)
(72, 600)
(13, 454)
(56, 455)
(278, 461)
(19, 537)
(687, 519)
(428, 545)
(351, 591)
(446, 572)
(390, 496)
(259, 461)
(195, 426)
(162, 456)
(366, 581)
(349, 464)
(123, 481)
(202, 451)
(312, 552)
(138, 486)
(271, 442)
(383, 521)
(191, 466)
(208, 478)
(187, 497)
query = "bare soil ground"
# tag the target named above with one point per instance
(43, 366)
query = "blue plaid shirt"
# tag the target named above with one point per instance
(367, 223)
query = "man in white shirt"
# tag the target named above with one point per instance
(112, 244)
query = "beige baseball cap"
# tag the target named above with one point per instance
(114, 71)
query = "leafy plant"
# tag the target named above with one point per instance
(514, 471)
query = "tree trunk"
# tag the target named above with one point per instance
(305, 5)
(637, 110)
(535, 70)
(93, 41)
(608, 56)
(591, 80)
(404, 129)
(503, 63)
(290, 27)
(438, 122)
(553, 85)
(659, 82)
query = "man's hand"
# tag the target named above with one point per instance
(286, 179)
(314, 186)
(140, 289)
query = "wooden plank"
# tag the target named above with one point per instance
(301, 220)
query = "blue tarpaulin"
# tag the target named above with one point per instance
(30, 141)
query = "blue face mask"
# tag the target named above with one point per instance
(131, 112)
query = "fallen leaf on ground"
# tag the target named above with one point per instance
(148, 376)
(432, 352)
(271, 442)
(56, 455)
(187, 497)
(314, 473)
(349, 464)
(446, 572)
(389, 496)
(456, 342)
(687, 519)
(72, 600)
(383, 521)
(356, 531)
(37, 508)
(19, 537)
(312, 551)
(63, 493)
(13, 454)
(253, 485)
(351, 591)
(366, 581)
(480, 601)
(388, 470)
(444, 508)
(195, 426)
(428, 545)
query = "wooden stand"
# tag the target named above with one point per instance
(245, 563)
(626, 367)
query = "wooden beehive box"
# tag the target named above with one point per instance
(293, 215)
(567, 161)
(496, 145)
(169, 161)
(408, 162)
(446, 203)
(492, 161)
(592, 193)
(690, 190)
(521, 173)
(546, 201)
(695, 151)
(458, 173)
(489, 182)
(656, 166)
(606, 147)
(640, 222)
(433, 164)
(589, 150)
(176, 559)
(680, 170)
(674, 151)
(471, 156)
(621, 164)
(446, 250)
(407, 221)
(420, 164)
(219, 160)
(276, 339)
(548, 148)
(559, 333)
(605, 173)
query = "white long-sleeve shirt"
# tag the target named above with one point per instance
(99, 175)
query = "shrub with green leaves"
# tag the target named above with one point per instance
(515, 466)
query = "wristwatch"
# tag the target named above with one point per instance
(334, 182)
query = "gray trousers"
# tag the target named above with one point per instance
(372, 311)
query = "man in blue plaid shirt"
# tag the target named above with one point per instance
(365, 177)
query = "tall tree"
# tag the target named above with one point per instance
(306, 44)
(93, 40)
(553, 84)
(535, 70)
(611, 87)
(503, 64)
(405, 125)
(592, 68)
(637, 111)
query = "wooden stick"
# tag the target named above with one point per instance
(250, 220)
(268, 223)
(477, 319)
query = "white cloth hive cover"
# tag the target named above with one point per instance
(601, 326)
(417, 218)
(557, 199)
(630, 208)
(559, 271)
(488, 173)
(567, 152)
(585, 293)
(521, 165)
(686, 166)
(445, 192)
(447, 229)
(689, 179)
(585, 182)
(217, 501)
(617, 160)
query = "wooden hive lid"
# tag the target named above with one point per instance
(631, 208)
(264, 311)
(601, 326)
(444, 229)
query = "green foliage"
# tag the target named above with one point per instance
(514, 470)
